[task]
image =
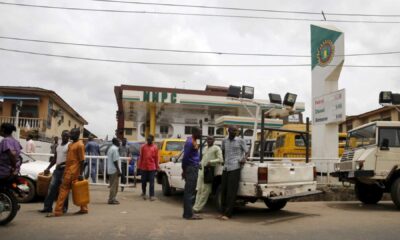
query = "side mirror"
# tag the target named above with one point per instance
(385, 144)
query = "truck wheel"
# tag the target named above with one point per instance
(395, 192)
(275, 205)
(166, 188)
(368, 193)
(217, 199)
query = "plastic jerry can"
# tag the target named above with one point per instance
(80, 192)
(42, 185)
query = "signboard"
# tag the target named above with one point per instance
(329, 108)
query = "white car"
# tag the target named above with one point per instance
(30, 170)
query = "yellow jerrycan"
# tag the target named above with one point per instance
(80, 192)
(42, 185)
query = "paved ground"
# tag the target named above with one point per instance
(139, 219)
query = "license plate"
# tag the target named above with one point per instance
(351, 174)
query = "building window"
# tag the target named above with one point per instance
(69, 123)
(220, 131)
(349, 126)
(164, 129)
(211, 131)
(189, 129)
(128, 131)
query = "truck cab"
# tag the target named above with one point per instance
(371, 161)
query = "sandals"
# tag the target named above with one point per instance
(194, 217)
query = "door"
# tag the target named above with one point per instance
(388, 157)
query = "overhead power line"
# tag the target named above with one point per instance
(154, 63)
(190, 51)
(185, 64)
(196, 14)
(155, 49)
(247, 9)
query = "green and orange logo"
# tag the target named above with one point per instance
(325, 53)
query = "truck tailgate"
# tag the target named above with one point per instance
(281, 172)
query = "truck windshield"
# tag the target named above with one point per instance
(361, 137)
(174, 146)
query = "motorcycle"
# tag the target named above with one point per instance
(9, 206)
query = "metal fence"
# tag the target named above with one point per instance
(99, 163)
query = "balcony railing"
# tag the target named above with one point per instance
(24, 123)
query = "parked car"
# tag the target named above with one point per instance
(30, 170)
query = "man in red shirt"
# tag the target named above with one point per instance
(148, 164)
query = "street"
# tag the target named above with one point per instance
(135, 218)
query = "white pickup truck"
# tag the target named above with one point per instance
(274, 182)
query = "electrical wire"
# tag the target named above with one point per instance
(187, 64)
(247, 9)
(191, 51)
(197, 14)
(154, 49)
(153, 63)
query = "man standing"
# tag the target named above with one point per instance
(190, 168)
(73, 171)
(234, 150)
(113, 170)
(60, 156)
(92, 149)
(124, 152)
(53, 147)
(30, 145)
(212, 156)
(148, 164)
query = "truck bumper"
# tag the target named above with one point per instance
(279, 192)
(349, 175)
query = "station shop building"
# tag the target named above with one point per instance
(172, 112)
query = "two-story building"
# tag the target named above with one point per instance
(387, 113)
(42, 112)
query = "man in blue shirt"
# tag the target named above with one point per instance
(190, 168)
(92, 149)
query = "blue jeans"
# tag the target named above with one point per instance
(191, 173)
(93, 169)
(52, 194)
(148, 176)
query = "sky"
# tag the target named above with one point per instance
(88, 86)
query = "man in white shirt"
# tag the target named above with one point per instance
(30, 145)
(113, 170)
(59, 159)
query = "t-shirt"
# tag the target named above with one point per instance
(76, 154)
(8, 143)
(30, 146)
(124, 152)
(148, 160)
(62, 151)
(112, 157)
(190, 154)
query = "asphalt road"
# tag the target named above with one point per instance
(135, 218)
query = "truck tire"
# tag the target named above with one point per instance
(368, 193)
(395, 192)
(166, 188)
(275, 205)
